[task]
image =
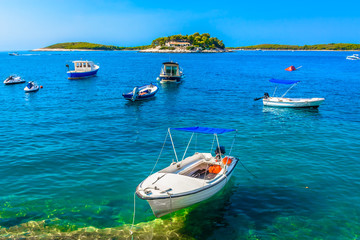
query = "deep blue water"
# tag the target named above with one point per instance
(73, 153)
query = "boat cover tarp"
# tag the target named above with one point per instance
(205, 130)
(283, 81)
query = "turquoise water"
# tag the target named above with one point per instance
(73, 153)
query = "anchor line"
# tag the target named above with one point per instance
(133, 221)
(247, 169)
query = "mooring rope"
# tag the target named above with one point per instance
(133, 221)
(247, 169)
(159, 154)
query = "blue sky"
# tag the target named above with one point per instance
(29, 24)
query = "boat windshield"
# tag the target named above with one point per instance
(171, 70)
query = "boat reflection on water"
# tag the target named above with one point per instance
(292, 112)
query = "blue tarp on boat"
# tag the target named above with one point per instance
(205, 130)
(282, 81)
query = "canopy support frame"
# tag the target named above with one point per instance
(289, 89)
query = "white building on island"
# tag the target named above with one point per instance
(177, 44)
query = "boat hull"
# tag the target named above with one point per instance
(79, 75)
(161, 207)
(129, 96)
(293, 103)
(170, 79)
(12, 83)
(32, 90)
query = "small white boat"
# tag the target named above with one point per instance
(13, 54)
(31, 87)
(289, 102)
(190, 180)
(353, 57)
(13, 79)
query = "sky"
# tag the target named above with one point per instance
(30, 24)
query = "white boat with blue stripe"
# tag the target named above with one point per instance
(189, 180)
(82, 69)
(289, 102)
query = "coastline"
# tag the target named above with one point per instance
(154, 50)
(182, 50)
(64, 50)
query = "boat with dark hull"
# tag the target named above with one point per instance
(170, 72)
(82, 69)
(141, 93)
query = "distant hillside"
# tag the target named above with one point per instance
(91, 46)
(331, 46)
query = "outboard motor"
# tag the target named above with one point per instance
(220, 150)
(135, 93)
(266, 95)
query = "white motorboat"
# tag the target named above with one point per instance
(170, 73)
(31, 87)
(13, 79)
(289, 102)
(190, 180)
(353, 57)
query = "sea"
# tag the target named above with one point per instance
(73, 153)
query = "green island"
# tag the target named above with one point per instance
(91, 46)
(196, 40)
(330, 47)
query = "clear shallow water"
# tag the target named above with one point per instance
(73, 153)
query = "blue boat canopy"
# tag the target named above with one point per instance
(282, 81)
(205, 130)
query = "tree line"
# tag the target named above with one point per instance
(330, 46)
(197, 40)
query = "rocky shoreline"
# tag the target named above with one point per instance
(183, 50)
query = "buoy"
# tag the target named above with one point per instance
(41, 86)
(306, 187)
(291, 68)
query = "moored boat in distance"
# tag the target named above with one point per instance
(170, 72)
(289, 102)
(189, 180)
(82, 69)
(141, 93)
(13, 54)
(353, 57)
(31, 87)
(13, 79)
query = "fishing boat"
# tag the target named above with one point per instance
(141, 93)
(189, 180)
(170, 72)
(31, 87)
(353, 57)
(82, 69)
(289, 102)
(13, 79)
